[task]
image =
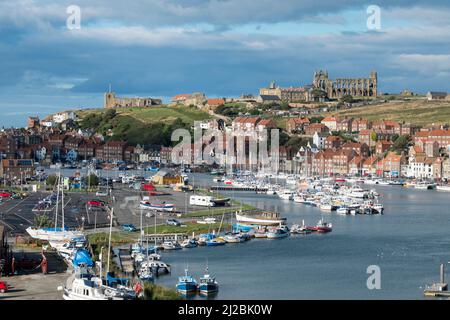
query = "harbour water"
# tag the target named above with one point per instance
(408, 243)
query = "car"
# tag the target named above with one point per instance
(173, 222)
(102, 193)
(129, 227)
(3, 287)
(96, 203)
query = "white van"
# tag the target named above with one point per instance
(205, 201)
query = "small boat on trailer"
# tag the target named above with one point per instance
(166, 207)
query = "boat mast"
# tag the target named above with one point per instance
(57, 199)
(109, 241)
(62, 203)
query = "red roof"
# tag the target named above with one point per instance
(180, 97)
(215, 102)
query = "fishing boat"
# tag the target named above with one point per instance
(186, 284)
(322, 227)
(208, 284)
(278, 233)
(147, 205)
(264, 218)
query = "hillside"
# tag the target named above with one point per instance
(418, 111)
(164, 114)
(140, 125)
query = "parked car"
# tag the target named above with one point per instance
(173, 222)
(96, 203)
(3, 287)
(102, 193)
(129, 227)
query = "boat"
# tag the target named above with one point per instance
(54, 234)
(344, 210)
(300, 229)
(215, 242)
(264, 218)
(233, 238)
(147, 205)
(443, 188)
(278, 233)
(171, 245)
(322, 227)
(207, 221)
(84, 286)
(208, 285)
(425, 186)
(189, 243)
(157, 267)
(186, 284)
(286, 195)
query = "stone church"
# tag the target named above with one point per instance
(356, 87)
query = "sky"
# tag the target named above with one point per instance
(51, 60)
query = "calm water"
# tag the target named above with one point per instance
(408, 243)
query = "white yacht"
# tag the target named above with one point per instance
(286, 195)
(87, 287)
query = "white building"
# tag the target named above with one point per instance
(63, 116)
(420, 168)
(319, 139)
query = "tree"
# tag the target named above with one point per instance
(43, 221)
(374, 136)
(51, 180)
(347, 98)
(402, 143)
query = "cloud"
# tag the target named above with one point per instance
(165, 47)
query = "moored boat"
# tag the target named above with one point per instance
(208, 284)
(186, 284)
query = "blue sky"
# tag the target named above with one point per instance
(161, 48)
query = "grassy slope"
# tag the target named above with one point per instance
(154, 114)
(419, 112)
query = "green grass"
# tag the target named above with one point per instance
(166, 114)
(189, 228)
(420, 112)
(155, 292)
(219, 211)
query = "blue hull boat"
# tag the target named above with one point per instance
(186, 284)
